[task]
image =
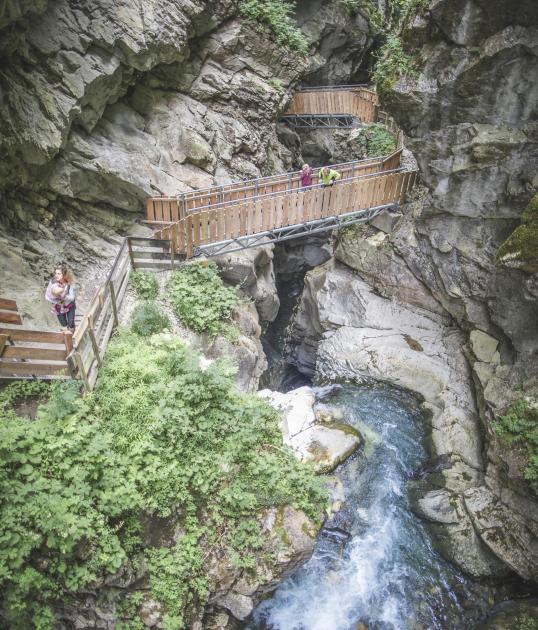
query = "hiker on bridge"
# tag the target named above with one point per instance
(327, 176)
(61, 292)
(305, 175)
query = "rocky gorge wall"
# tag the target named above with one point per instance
(104, 104)
(428, 305)
(470, 116)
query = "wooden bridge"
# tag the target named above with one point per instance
(337, 106)
(240, 215)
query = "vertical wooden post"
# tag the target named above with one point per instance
(82, 371)
(172, 246)
(3, 340)
(91, 333)
(183, 205)
(114, 304)
(131, 257)
(68, 342)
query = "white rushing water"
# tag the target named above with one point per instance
(387, 576)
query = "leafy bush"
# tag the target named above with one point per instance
(519, 426)
(21, 391)
(145, 284)
(378, 140)
(392, 63)
(158, 438)
(148, 319)
(521, 248)
(276, 15)
(200, 298)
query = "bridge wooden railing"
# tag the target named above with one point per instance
(276, 210)
(359, 102)
(161, 210)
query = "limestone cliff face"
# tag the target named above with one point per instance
(470, 118)
(105, 103)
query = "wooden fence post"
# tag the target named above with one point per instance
(3, 340)
(172, 259)
(82, 371)
(93, 340)
(114, 305)
(130, 248)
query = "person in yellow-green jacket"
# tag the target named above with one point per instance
(327, 176)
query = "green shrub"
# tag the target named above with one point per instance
(158, 438)
(519, 426)
(22, 391)
(145, 284)
(148, 319)
(378, 140)
(392, 63)
(200, 298)
(276, 15)
(521, 247)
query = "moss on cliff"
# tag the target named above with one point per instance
(521, 248)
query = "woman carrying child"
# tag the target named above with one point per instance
(305, 175)
(61, 292)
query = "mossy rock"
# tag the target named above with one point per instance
(520, 250)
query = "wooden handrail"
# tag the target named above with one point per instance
(164, 210)
(272, 211)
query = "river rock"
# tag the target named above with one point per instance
(518, 544)
(325, 446)
(522, 614)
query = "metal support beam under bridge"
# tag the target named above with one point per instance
(320, 121)
(291, 231)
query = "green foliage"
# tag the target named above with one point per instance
(276, 83)
(378, 140)
(369, 9)
(200, 298)
(519, 426)
(145, 284)
(158, 438)
(400, 11)
(21, 391)
(148, 319)
(526, 622)
(177, 577)
(392, 63)
(521, 247)
(276, 16)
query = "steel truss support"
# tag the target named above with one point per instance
(292, 231)
(320, 121)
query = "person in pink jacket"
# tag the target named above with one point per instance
(305, 175)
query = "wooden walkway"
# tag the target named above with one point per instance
(276, 214)
(237, 215)
(165, 210)
(359, 102)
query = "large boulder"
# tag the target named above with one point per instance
(326, 445)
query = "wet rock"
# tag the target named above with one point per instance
(520, 614)
(326, 446)
(510, 533)
(239, 605)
